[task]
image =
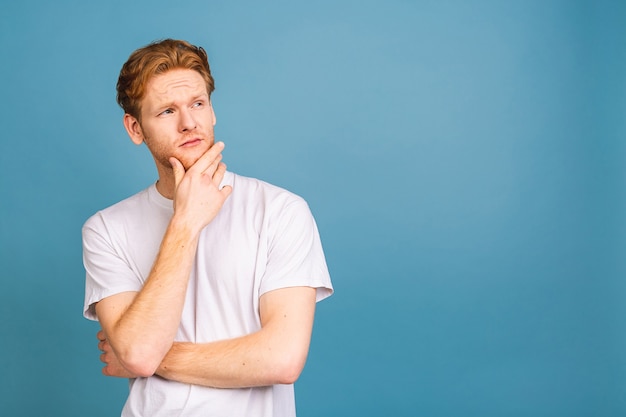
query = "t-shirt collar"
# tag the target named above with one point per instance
(157, 198)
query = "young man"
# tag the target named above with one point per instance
(205, 283)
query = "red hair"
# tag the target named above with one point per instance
(154, 59)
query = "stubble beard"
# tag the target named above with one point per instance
(162, 155)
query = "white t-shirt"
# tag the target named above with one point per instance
(264, 238)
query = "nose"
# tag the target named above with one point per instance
(186, 121)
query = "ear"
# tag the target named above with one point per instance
(133, 128)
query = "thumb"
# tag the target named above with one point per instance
(179, 170)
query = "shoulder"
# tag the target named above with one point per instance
(261, 192)
(278, 210)
(121, 211)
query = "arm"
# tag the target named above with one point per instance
(276, 354)
(140, 327)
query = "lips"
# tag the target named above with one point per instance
(191, 142)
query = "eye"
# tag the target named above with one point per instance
(165, 112)
(198, 104)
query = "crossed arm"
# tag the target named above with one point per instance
(276, 354)
(138, 328)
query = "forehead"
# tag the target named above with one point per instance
(174, 83)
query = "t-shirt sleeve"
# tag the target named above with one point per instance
(295, 254)
(107, 272)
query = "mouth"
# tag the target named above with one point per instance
(190, 143)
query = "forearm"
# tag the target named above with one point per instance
(275, 354)
(248, 361)
(143, 333)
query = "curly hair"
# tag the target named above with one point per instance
(154, 59)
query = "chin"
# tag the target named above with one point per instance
(190, 156)
(189, 160)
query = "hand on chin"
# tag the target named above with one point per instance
(189, 155)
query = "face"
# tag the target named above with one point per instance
(177, 119)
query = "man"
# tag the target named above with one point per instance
(205, 283)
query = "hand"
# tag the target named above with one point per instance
(197, 197)
(112, 367)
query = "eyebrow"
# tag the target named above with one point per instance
(166, 105)
(203, 96)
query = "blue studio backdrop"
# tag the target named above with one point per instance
(465, 162)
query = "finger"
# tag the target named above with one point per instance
(213, 169)
(226, 190)
(208, 158)
(218, 176)
(212, 165)
(179, 170)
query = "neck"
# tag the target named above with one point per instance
(166, 186)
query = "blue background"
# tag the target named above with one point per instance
(465, 161)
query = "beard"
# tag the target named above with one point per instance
(186, 156)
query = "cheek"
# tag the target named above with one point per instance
(158, 145)
(157, 135)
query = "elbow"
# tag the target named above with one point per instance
(288, 370)
(142, 363)
(289, 376)
(140, 370)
